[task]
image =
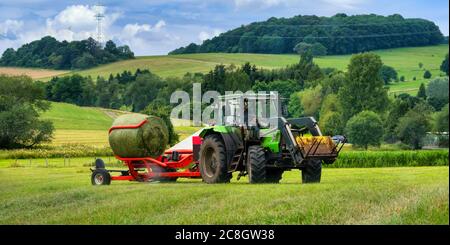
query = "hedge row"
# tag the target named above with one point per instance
(371, 159)
(74, 150)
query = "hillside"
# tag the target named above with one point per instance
(339, 34)
(404, 60)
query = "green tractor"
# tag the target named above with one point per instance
(263, 150)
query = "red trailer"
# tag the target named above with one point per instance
(173, 164)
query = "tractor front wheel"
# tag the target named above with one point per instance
(312, 171)
(213, 164)
(256, 164)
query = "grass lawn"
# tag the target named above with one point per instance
(407, 195)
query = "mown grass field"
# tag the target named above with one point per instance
(71, 117)
(407, 195)
(34, 73)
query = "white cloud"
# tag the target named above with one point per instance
(346, 4)
(10, 26)
(265, 4)
(130, 30)
(203, 35)
(160, 25)
(261, 4)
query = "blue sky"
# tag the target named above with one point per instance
(152, 27)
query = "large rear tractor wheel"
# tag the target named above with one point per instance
(213, 164)
(256, 164)
(312, 171)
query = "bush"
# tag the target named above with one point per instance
(21, 102)
(427, 74)
(437, 93)
(444, 65)
(69, 150)
(388, 74)
(364, 129)
(374, 159)
(412, 127)
(441, 120)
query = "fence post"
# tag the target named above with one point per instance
(69, 161)
(30, 162)
(46, 162)
(64, 161)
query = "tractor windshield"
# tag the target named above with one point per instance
(244, 109)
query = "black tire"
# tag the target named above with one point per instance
(274, 175)
(213, 161)
(312, 171)
(256, 164)
(100, 177)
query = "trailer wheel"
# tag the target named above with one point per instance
(213, 164)
(256, 164)
(274, 175)
(312, 171)
(100, 177)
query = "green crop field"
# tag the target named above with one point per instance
(64, 195)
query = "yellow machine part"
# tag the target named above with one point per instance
(326, 145)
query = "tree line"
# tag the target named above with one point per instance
(339, 34)
(53, 54)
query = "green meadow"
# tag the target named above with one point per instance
(64, 195)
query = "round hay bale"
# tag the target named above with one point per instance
(138, 135)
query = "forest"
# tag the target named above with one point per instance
(339, 34)
(53, 54)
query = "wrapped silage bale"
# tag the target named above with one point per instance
(138, 135)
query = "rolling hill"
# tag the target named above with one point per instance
(338, 34)
(404, 60)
